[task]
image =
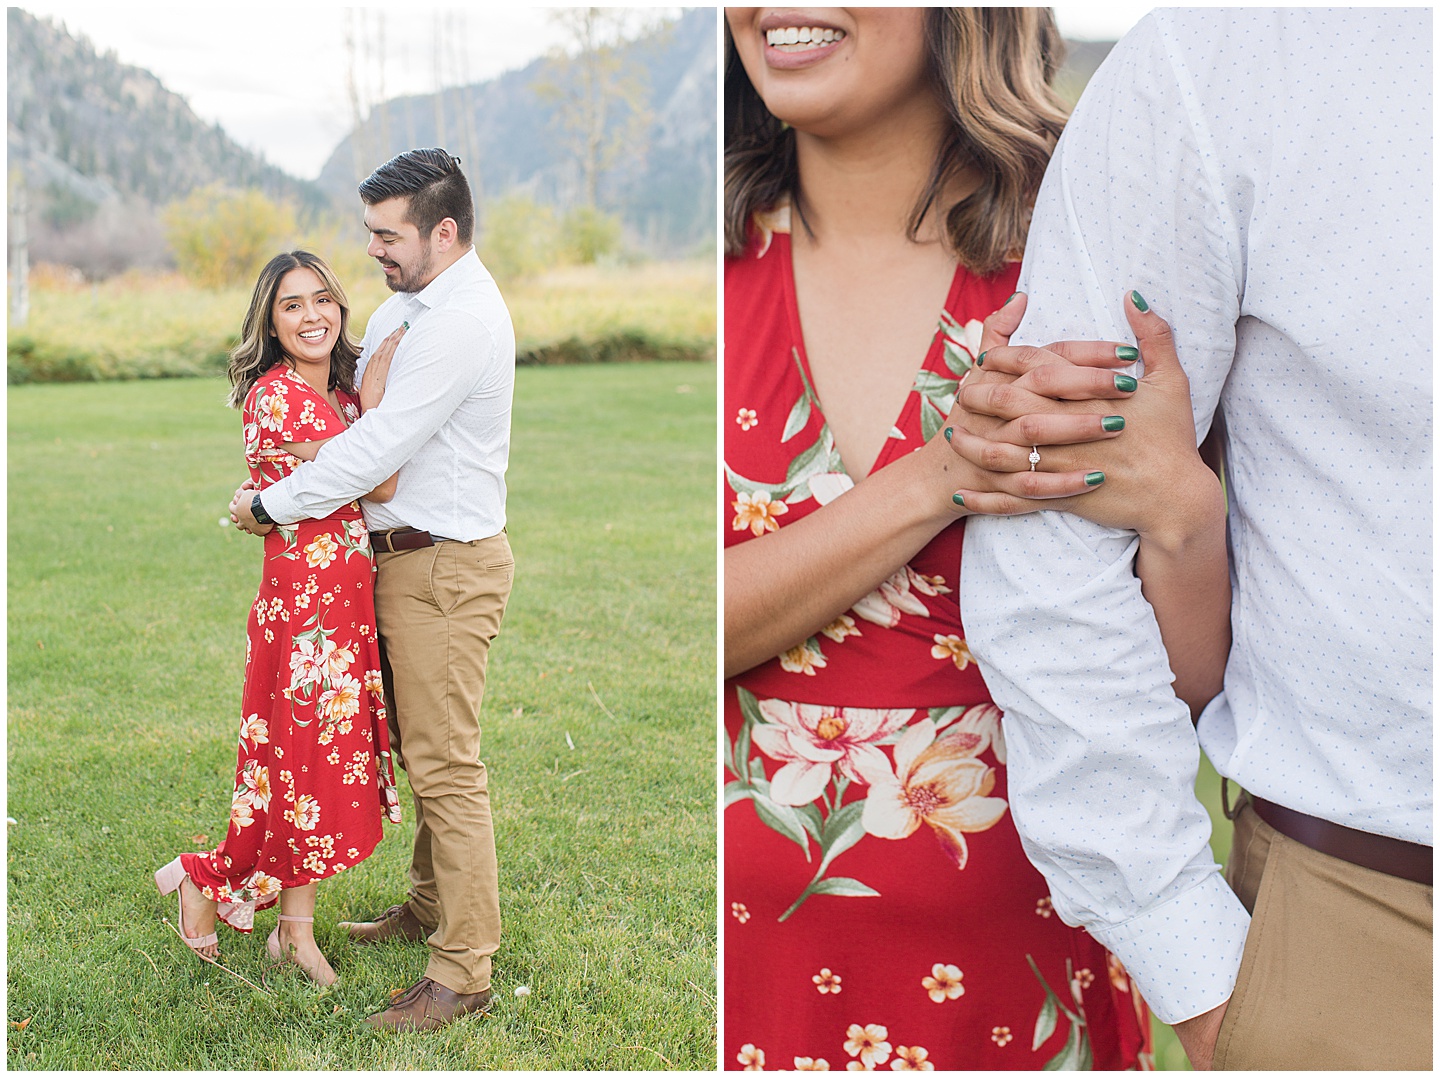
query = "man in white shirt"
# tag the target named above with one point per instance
(1262, 178)
(444, 567)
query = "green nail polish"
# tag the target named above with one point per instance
(980, 359)
(404, 325)
(1139, 301)
(957, 499)
(1125, 384)
(949, 433)
(1113, 422)
(1012, 296)
(1094, 479)
(1127, 352)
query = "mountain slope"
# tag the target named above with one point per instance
(506, 133)
(87, 129)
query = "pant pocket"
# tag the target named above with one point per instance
(1243, 1017)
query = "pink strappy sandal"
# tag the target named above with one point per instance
(273, 943)
(170, 878)
(273, 946)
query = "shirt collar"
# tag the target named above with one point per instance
(450, 278)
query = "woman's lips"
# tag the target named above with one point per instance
(799, 45)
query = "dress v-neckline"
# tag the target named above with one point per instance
(797, 337)
(339, 415)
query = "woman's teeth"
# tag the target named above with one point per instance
(806, 37)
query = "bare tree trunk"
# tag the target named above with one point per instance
(19, 250)
(353, 75)
(439, 56)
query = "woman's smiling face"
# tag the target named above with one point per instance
(305, 317)
(831, 71)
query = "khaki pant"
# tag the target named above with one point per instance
(1337, 964)
(438, 608)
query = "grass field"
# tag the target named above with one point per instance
(126, 645)
(158, 325)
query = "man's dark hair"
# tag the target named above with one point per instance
(433, 185)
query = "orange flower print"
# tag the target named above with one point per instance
(806, 1063)
(827, 982)
(1001, 1035)
(321, 551)
(757, 512)
(256, 778)
(802, 659)
(751, 1058)
(840, 628)
(953, 647)
(271, 410)
(307, 813)
(911, 1059)
(342, 701)
(1119, 978)
(746, 418)
(740, 912)
(938, 782)
(1044, 907)
(242, 815)
(255, 730)
(943, 982)
(263, 885)
(870, 1043)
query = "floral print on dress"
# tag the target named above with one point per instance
(869, 1044)
(313, 728)
(821, 890)
(943, 983)
(935, 780)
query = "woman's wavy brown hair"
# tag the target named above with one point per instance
(992, 69)
(259, 348)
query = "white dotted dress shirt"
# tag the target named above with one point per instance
(1263, 179)
(444, 422)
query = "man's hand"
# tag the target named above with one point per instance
(1199, 1034)
(240, 514)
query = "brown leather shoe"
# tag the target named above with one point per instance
(426, 1005)
(395, 923)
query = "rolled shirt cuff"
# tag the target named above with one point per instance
(1184, 955)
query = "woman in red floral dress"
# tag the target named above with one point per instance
(882, 914)
(314, 776)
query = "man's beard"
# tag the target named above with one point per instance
(413, 279)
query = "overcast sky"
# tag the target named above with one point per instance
(275, 78)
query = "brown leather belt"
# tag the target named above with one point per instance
(397, 539)
(1392, 856)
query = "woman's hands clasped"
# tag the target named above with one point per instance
(1117, 450)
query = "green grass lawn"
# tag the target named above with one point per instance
(127, 615)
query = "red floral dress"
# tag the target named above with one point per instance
(881, 913)
(314, 776)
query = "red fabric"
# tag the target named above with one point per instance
(928, 751)
(314, 775)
